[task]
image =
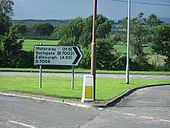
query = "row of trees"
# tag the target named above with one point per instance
(145, 32)
(149, 32)
(35, 31)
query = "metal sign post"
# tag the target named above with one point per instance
(56, 55)
(72, 87)
(40, 76)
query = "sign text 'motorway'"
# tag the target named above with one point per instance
(56, 55)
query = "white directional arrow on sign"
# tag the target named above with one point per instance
(57, 55)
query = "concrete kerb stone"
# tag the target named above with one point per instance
(77, 102)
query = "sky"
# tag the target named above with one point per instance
(70, 9)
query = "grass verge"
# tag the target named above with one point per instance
(61, 86)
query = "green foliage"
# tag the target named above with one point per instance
(79, 31)
(22, 29)
(139, 32)
(153, 21)
(71, 32)
(120, 62)
(43, 29)
(161, 42)
(140, 64)
(86, 60)
(103, 28)
(6, 12)
(105, 54)
(11, 48)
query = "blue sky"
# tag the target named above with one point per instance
(69, 9)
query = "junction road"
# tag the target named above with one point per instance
(145, 108)
(18, 112)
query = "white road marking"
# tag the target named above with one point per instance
(162, 120)
(129, 114)
(146, 117)
(19, 123)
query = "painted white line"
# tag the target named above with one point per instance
(162, 120)
(129, 114)
(146, 117)
(19, 123)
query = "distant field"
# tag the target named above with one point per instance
(122, 49)
(29, 44)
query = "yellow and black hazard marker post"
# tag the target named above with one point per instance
(88, 89)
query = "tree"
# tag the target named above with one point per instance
(11, 48)
(43, 29)
(161, 42)
(139, 32)
(105, 54)
(153, 21)
(103, 28)
(70, 33)
(6, 12)
(22, 29)
(79, 31)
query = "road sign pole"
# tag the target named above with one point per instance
(40, 76)
(40, 79)
(72, 77)
(128, 42)
(93, 49)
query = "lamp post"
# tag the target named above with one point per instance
(128, 42)
(93, 48)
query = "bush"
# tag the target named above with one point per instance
(105, 54)
(140, 64)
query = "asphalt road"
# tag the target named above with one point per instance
(25, 113)
(82, 74)
(145, 108)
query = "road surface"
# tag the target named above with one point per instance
(82, 74)
(145, 108)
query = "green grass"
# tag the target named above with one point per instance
(61, 86)
(120, 48)
(123, 49)
(29, 44)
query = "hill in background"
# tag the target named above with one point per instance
(61, 22)
(32, 21)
